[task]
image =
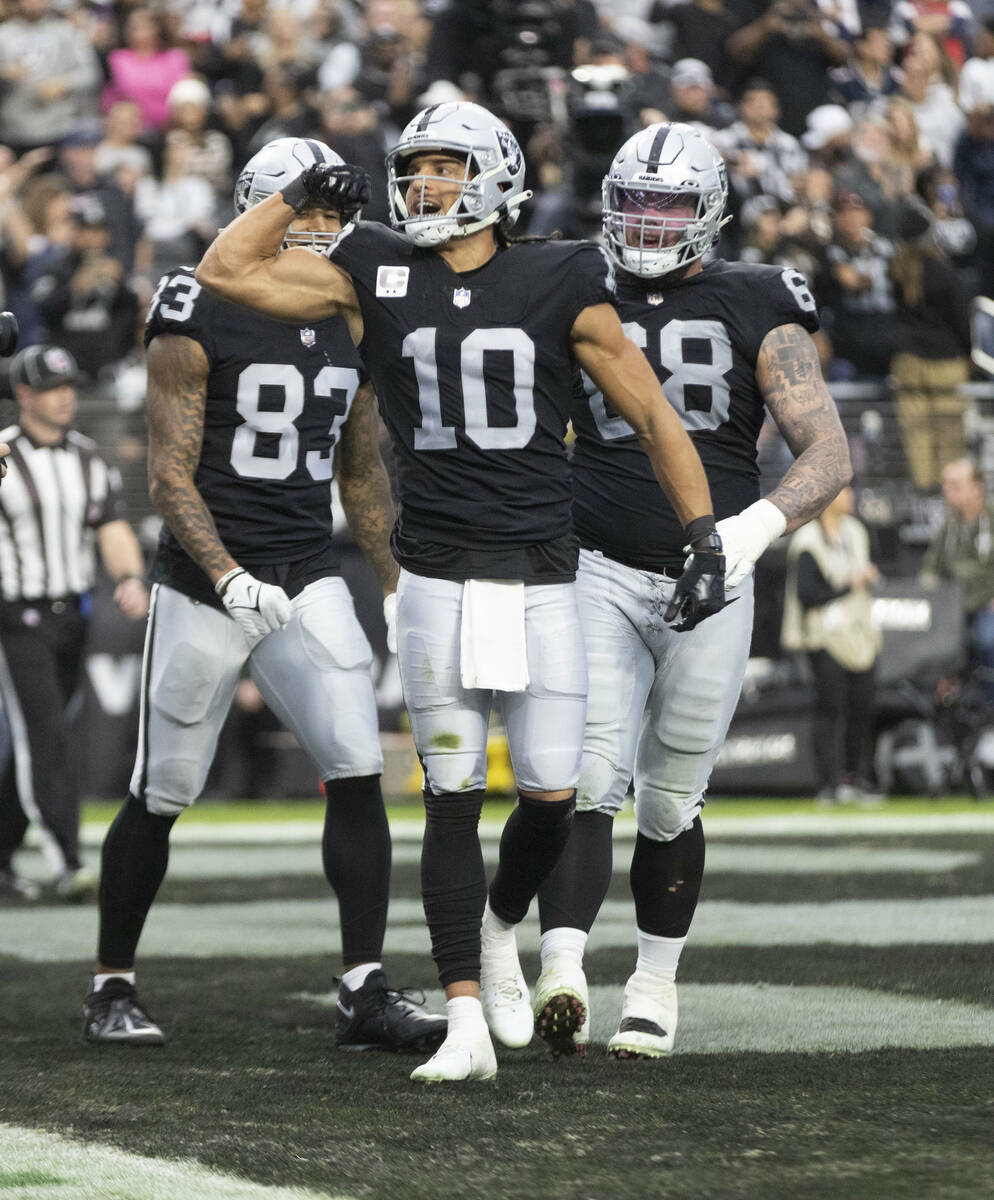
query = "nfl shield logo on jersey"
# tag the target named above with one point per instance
(655, 297)
(461, 297)
(308, 338)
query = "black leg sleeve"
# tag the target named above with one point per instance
(133, 865)
(666, 881)
(530, 845)
(355, 850)
(454, 883)
(573, 894)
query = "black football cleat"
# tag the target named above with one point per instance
(375, 1017)
(113, 1016)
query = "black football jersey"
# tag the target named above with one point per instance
(702, 337)
(473, 374)
(277, 397)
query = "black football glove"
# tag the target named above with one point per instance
(700, 590)
(343, 189)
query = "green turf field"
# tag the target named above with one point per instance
(836, 1035)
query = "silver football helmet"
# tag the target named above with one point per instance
(663, 167)
(270, 169)
(493, 179)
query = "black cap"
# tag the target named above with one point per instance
(43, 367)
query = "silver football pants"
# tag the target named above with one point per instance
(660, 702)
(544, 723)
(314, 674)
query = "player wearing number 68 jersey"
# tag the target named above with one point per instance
(729, 342)
(471, 342)
(247, 420)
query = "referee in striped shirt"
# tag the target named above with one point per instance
(58, 503)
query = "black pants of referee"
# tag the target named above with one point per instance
(42, 645)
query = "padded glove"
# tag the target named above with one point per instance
(700, 590)
(259, 608)
(343, 189)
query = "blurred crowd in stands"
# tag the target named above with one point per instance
(859, 138)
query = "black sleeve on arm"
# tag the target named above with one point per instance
(813, 589)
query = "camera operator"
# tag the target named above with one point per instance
(793, 45)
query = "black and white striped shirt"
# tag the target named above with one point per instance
(52, 500)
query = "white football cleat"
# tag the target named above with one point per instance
(648, 1019)
(504, 995)
(562, 1007)
(465, 1054)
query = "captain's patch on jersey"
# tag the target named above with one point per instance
(461, 297)
(392, 281)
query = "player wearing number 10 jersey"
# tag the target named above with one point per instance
(247, 420)
(728, 341)
(471, 343)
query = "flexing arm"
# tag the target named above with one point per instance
(365, 489)
(789, 376)
(177, 393)
(244, 264)
(622, 372)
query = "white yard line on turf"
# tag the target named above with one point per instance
(284, 928)
(188, 861)
(35, 1165)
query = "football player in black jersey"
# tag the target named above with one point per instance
(729, 341)
(247, 419)
(471, 343)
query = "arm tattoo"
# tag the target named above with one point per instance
(365, 488)
(789, 376)
(177, 393)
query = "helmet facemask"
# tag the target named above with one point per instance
(655, 232)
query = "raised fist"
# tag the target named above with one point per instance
(343, 189)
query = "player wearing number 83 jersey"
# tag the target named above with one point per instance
(471, 343)
(247, 419)
(728, 341)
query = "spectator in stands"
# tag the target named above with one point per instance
(339, 53)
(83, 298)
(883, 165)
(962, 552)
(208, 151)
(762, 159)
(932, 99)
(49, 76)
(859, 294)
(389, 78)
(16, 231)
(827, 614)
(974, 166)
(146, 67)
(284, 43)
(699, 30)
(976, 79)
(760, 228)
(77, 161)
(931, 349)
(949, 23)
(288, 110)
(828, 135)
(122, 144)
(692, 97)
(954, 233)
(793, 45)
(868, 76)
(45, 201)
(178, 212)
